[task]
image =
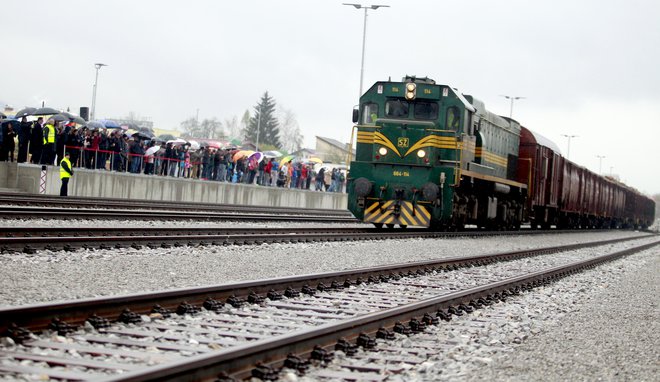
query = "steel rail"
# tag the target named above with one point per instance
(58, 213)
(21, 239)
(239, 361)
(38, 317)
(98, 202)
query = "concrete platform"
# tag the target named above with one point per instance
(25, 177)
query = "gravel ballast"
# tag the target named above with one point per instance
(55, 276)
(598, 325)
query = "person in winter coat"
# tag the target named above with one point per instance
(24, 133)
(36, 141)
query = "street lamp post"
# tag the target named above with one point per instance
(568, 151)
(96, 81)
(256, 145)
(364, 34)
(600, 163)
(512, 98)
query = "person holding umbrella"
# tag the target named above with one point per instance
(48, 149)
(36, 141)
(24, 132)
(66, 171)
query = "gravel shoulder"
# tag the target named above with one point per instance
(612, 332)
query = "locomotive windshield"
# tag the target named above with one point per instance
(397, 108)
(426, 110)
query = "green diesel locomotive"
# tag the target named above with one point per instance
(430, 156)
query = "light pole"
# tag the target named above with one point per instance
(256, 145)
(364, 34)
(600, 163)
(96, 81)
(568, 152)
(512, 98)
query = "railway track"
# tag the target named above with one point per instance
(300, 215)
(254, 328)
(17, 199)
(31, 239)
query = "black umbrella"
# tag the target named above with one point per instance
(45, 111)
(142, 135)
(95, 125)
(25, 112)
(74, 118)
(60, 117)
(13, 122)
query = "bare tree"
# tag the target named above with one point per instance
(211, 128)
(233, 127)
(245, 123)
(292, 138)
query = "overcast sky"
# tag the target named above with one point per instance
(589, 68)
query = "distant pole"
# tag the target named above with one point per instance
(568, 151)
(511, 98)
(256, 145)
(600, 163)
(364, 35)
(96, 81)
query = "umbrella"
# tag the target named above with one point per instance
(74, 118)
(287, 158)
(142, 135)
(314, 160)
(272, 154)
(129, 125)
(214, 144)
(110, 124)
(259, 156)
(152, 150)
(45, 111)
(177, 141)
(14, 122)
(25, 112)
(241, 154)
(93, 125)
(194, 145)
(60, 117)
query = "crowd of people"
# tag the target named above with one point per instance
(115, 150)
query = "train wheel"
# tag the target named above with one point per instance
(378, 225)
(390, 226)
(403, 226)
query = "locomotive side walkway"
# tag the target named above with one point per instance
(95, 183)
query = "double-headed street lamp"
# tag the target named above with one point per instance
(600, 163)
(96, 81)
(568, 152)
(364, 34)
(512, 98)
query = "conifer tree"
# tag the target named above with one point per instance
(264, 117)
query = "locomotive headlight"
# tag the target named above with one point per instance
(421, 153)
(382, 151)
(411, 89)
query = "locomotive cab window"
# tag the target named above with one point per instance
(369, 113)
(426, 110)
(397, 108)
(453, 118)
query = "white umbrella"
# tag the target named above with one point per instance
(152, 150)
(194, 145)
(177, 141)
(272, 154)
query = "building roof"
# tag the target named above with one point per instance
(335, 143)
